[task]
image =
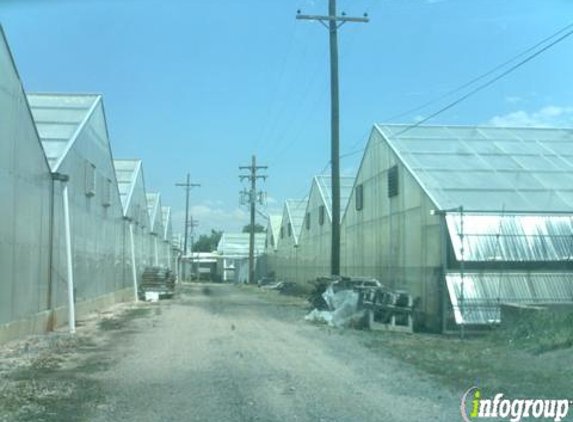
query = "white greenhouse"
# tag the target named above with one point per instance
(287, 244)
(87, 204)
(25, 186)
(233, 252)
(156, 229)
(131, 186)
(505, 194)
(315, 240)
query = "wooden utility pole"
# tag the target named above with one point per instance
(252, 195)
(188, 186)
(334, 22)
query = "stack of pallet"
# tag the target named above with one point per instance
(158, 280)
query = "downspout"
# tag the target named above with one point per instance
(169, 264)
(133, 269)
(69, 260)
(156, 251)
(49, 298)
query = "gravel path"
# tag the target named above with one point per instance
(221, 353)
(215, 353)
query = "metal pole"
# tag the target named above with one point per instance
(462, 270)
(69, 262)
(335, 140)
(188, 185)
(133, 268)
(252, 231)
(252, 177)
(156, 250)
(186, 227)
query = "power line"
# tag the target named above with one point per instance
(486, 84)
(480, 77)
(279, 82)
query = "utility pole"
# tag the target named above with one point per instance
(192, 224)
(188, 186)
(252, 197)
(332, 22)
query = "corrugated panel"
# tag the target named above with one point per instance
(511, 237)
(489, 168)
(484, 292)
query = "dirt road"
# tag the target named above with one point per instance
(223, 353)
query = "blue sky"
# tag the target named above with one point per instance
(201, 85)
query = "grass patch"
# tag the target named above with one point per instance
(492, 361)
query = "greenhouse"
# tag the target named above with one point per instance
(267, 263)
(233, 252)
(464, 218)
(316, 233)
(156, 229)
(287, 244)
(131, 187)
(166, 252)
(26, 203)
(74, 136)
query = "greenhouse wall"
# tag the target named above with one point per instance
(156, 230)
(25, 184)
(394, 239)
(166, 260)
(287, 245)
(268, 261)
(96, 214)
(315, 239)
(132, 190)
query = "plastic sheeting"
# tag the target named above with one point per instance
(477, 297)
(343, 308)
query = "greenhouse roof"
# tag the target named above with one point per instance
(275, 226)
(489, 169)
(59, 118)
(153, 205)
(296, 208)
(236, 245)
(166, 219)
(126, 172)
(325, 186)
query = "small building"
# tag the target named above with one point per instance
(233, 252)
(287, 246)
(203, 265)
(464, 218)
(25, 186)
(156, 229)
(316, 232)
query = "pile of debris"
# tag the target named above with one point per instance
(360, 302)
(157, 282)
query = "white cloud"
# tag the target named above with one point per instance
(549, 116)
(212, 216)
(513, 99)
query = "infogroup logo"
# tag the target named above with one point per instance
(474, 406)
